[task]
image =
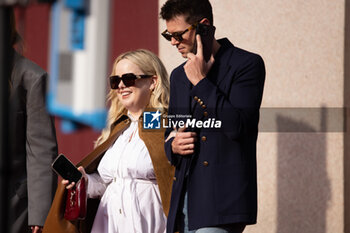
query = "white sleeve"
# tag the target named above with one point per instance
(96, 187)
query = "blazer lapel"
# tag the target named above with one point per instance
(223, 59)
(184, 94)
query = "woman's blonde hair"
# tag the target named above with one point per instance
(149, 64)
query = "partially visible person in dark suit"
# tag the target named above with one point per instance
(33, 144)
(215, 184)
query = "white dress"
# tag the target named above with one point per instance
(126, 181)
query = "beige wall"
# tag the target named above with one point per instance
(300, 175)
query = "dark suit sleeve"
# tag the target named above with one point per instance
(237, 107)
(41, 149)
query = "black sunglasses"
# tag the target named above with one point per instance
(128, 79)
(177, 35)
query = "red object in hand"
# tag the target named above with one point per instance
(76, 201)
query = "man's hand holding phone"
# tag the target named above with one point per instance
(196, 68)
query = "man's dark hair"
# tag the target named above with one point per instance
(193, 10)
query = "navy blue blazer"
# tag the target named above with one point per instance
(221, 175)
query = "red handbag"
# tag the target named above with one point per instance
(76, 201)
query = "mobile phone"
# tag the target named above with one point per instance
(66, 169)
(207, 36)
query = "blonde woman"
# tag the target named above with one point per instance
(128, 169)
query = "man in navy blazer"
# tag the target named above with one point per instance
(214, 107)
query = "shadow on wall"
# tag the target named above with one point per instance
(303, 186)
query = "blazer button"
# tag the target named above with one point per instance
(201, 103)
(195, 98)
(205, 114)
(205, 163)
(203, 106)
(199, 100)
(204, 138)
(174, 178)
